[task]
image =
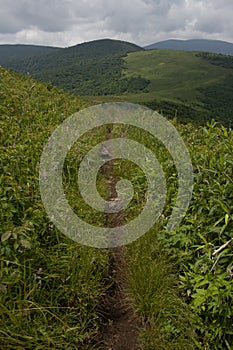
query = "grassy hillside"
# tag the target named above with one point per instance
(187, 78)
(195, 262)
(175, 75)
(188, 85)
(92, 68)
(180, 284)
(49, 285)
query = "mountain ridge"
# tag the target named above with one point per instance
(206, 45)
(91, 66)
(10, 52)
(190, 85)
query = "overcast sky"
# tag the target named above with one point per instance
(69, 22)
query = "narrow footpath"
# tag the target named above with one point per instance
(122, 326)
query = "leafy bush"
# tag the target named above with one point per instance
(181, 282)
(203, 242)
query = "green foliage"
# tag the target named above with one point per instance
(203, 242)
(188, 85)
(49, 285)
(169, 322)
(180, 110)
(11, 53)
(181, 282)
(185, 85)
(217, 99)
(197, 86)
(217, 60)
(92, 68)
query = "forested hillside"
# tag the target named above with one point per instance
(92, 68)
(193, 86)
(10, 53)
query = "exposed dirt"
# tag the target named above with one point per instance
(121, 327)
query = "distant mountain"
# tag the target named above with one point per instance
(102, 47)
(91, 68)
(15, 52)
(189, 85)
(215, 46)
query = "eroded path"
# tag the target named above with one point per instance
(121, 329)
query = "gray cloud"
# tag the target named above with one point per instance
(68, 22)
(46, 15)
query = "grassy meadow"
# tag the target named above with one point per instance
(192, 86)
(173, 74)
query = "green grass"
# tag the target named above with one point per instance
(50, 286)
(173, 74)
(153, 283)
(168, 320)
(188, 85)
(180, 288)
(91, 68)
(199, 82)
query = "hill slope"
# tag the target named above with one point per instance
(89, 68)
(215, 46)
(38, 298)
(193, 85)
(10, 53)
(197, 86)
(52, 289)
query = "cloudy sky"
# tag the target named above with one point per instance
(69, 22)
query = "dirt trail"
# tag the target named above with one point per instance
(122, 329)
(122, 326)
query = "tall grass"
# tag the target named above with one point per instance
(154, 290)
(50, 286)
